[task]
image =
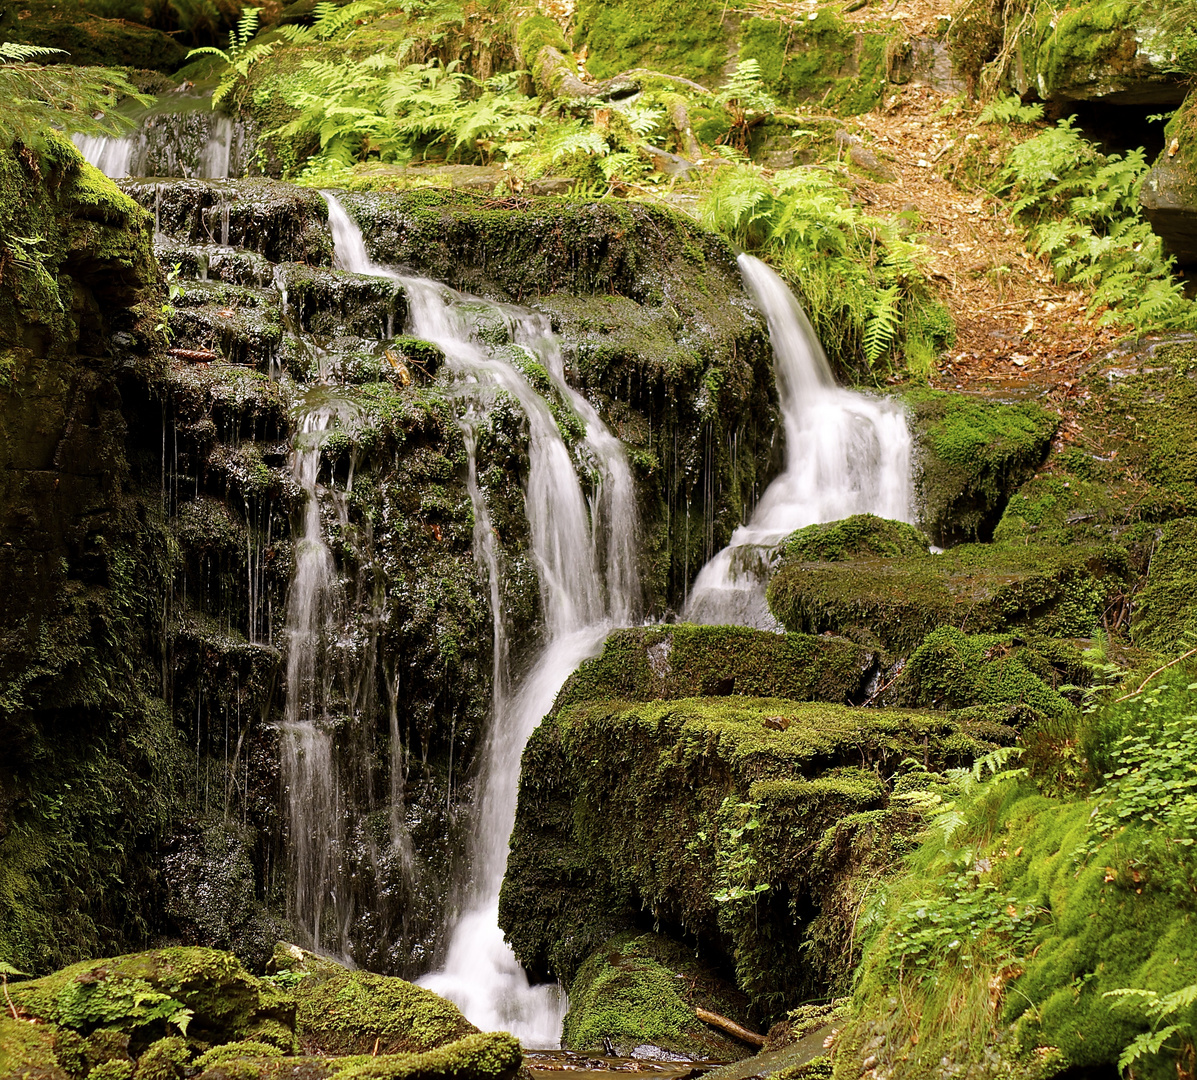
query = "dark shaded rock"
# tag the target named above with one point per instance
(1168, 196)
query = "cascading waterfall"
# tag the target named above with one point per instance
(846, 453)
(585, 556)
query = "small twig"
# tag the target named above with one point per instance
(11, 1007)
(1169, 664)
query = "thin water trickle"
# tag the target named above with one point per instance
(586, 558)
(846, 453)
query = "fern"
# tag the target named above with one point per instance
(1006, 110)
(330, 19)
(39, 100)
(882, 325)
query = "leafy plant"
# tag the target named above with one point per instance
(1082, 209)
(1010, 110)
(118, 1002)
(1154, 1007)
(42, 98)
(736, 861)
(746, 101)
(240, 57)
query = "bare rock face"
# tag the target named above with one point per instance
(1169, 197)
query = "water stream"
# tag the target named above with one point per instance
(585, 552)
(846, 453)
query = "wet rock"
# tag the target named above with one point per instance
(281, 222)
(239, 324)
(1168, 196)
(636, 995)
(328, 303)
(1055, 591)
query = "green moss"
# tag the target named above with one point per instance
(819, 59)
(1053, 591)
(112, 1070)
(951, 669)
(352, 1011)
(644, 988)
(166, 1059)
(856, 537)
(973, 454)
(27, 1051)
(687, 39)
(534, 33)
(245, 1048)
(629, 807)
(1165, 616)
(683, 661)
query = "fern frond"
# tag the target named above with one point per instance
(13, 52)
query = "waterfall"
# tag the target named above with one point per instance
(586, 558)
(177, 136)
(313, 799)
(846, 453)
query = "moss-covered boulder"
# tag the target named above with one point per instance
(357, 1012)
(1168, 193)
(972, 455)
(641, 990)
(704, 812)
(494, 1056)
(1055, 591)
(859, 537)
(650, 663)
(206, 991)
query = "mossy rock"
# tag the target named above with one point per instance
(860, 536)
(630, 807)
(92, 40)
(689, 39)
(493, 1056)
(972, 455)
(954, 670)
(1165, 617)
(651, 663)
(643, 989)
(353, 1012)
(143, 990)
(1055, 591)
(817, 59)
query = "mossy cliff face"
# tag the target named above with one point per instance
(701, 814)
(177, 1012)
(657, 331)
(91, 761)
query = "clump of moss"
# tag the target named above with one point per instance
(685, 40)
(860, 536)
(951, 670)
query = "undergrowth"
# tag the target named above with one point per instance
(1081, 208)
(1041, 933)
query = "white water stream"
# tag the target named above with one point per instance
(585, 555)
(846, 453)
(194, 143)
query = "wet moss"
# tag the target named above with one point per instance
(27, 1051)
(972, 455)
(628, 808)
(644, 988)
(1055, 591)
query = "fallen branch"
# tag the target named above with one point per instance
(1170, 663)
(730, 1026)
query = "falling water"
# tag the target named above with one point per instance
(585, 556)
(176, 137)
(846, 453)
(313, 798)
